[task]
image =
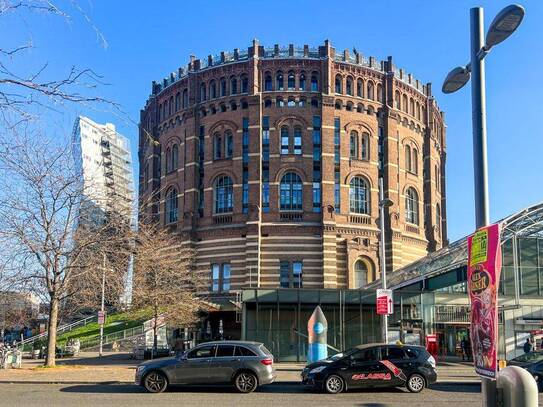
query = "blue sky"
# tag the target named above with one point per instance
(147, 40)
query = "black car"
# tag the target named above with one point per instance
(373, 365)
(532, 362)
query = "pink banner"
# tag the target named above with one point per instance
(484, 265)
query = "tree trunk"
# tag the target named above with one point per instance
(50, 359)
(155, 337)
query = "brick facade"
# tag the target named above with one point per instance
(207, 111)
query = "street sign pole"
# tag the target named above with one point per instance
(102, 306)
(384, 317)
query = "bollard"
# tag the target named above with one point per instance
(516, 388)
(317, 338)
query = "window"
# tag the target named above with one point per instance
(302, 81)
(415, 162)
(202, 92)
(404, 103)
(366, 355)
(279, 82)
(291, 102)
(380, 93)
(229, 148)
(223, 87)
(418, 111)
(243, 351)
(220, 277)
(353, 147)
(365, 147)
(411, 107)
(202, 352)
(174, 157)
(265, 164)
(349, 86)
(297, 140)
(338, 84)
(359, 196)
(316, 196)
(244, 84)
(224, 195)
(314, 82)
(291, 188)
(290, 274)
(370, 91)
(171, 206)
(168, 160)
(291, 81)
(408, 158)
(267, 103)
(438, 216)
(279, 102)
(268, 83)
(314, 102)
(212, 90)
(359, 88)
(225, 351)
(185, 98)
(177, 101)
(284, 140)
(360, 274)
(217, 147)
(412, 206)
(437, 177)
(397, 100)
(233, 86)
(393, 353)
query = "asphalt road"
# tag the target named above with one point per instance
(275, 395)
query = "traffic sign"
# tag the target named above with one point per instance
(384, 303)
(101, 317)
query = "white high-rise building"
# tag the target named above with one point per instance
(106, 164)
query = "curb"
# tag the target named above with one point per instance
(60, 382)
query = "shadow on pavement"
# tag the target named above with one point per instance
(457, 388)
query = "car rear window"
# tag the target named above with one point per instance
(265, 350)
(243, 351)
(225, 351)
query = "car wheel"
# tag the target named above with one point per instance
(333, 384)
(155, 382)
(246, 382)
(415, 383)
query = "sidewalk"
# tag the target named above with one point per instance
(115, 368)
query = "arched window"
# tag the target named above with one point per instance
(302, 102)
(314, 82)
(360, 108)
(314, 102)
(438, 216)
(224, 195)
(365, 147)
(244, 84)
(302, 81)
(349, 106)
(291, 102)
(418, 111)
(177, 101)
(412, 206)
(222, 107)
(244, 104)
(338, 83)
(202, 92)
(291, 192)
(171, 206)
(229, 144)
(349, 86)
(185, 98)
(359, 88)
(233, 105)
(370, 90)
(338, 105)
(297, 140)
(437, 177)
(408, 158)
(268, 83)
(217, 146)
(212, 109)
(353, 145)
(175, 157)
(359, 196)
(415, 161)
(285, 138)
(212, 90)
(171, 107)
(411, 107)
(279, 81)
(233, 86)
(223, 87)
(267, 102)
(398, 100)
(168, 160)
(360, 274)
(279, 102)
(291, 81)
(404, 103)
(380, 93)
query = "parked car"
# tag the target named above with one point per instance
(532, 362)
(373, 365)
(245, 365)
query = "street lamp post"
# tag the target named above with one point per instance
(100, 351)
(503, 25)
(383, 203)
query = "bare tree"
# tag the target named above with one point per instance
(165, 283)
(51, 240)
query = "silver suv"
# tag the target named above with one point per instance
(246, 365)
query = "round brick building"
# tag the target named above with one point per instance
(267, 161)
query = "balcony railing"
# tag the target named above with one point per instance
(222, 219)
(412, 229)
(292, 216)
(360, 219)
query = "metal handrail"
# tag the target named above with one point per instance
(113, 337)
(60, 329)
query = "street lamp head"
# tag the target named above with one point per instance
(504, 24)
(385, 203)
(456, 79)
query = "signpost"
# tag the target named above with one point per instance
(484, 265)
(385, 303)
(101, 317)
